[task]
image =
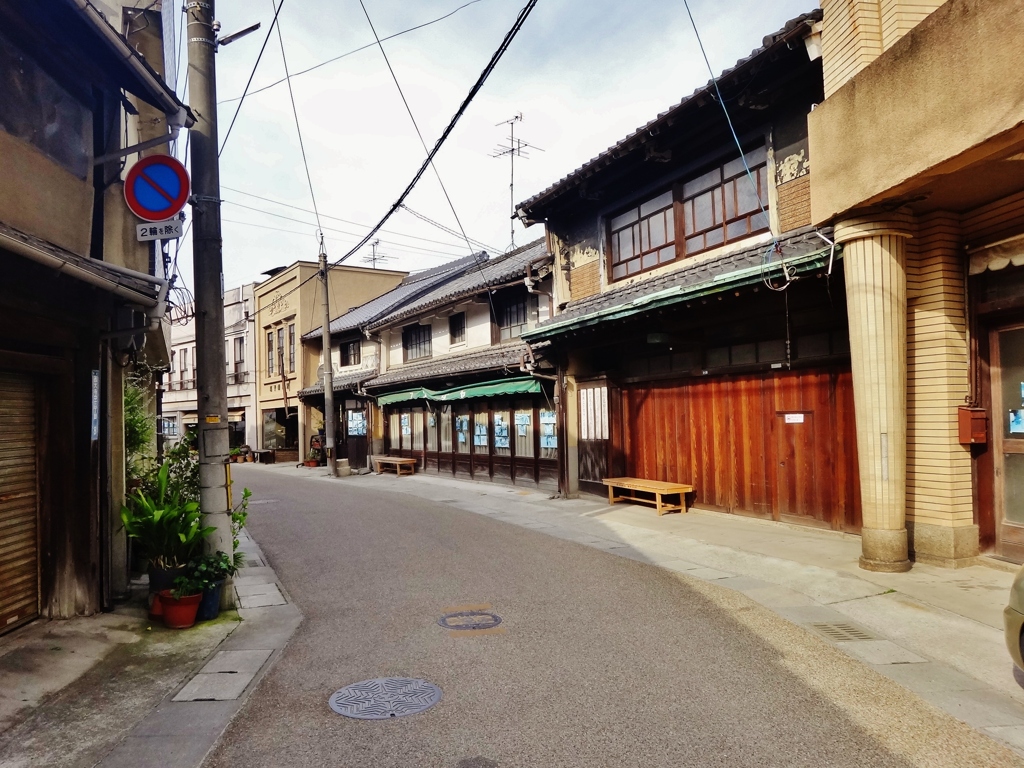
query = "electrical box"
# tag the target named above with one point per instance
(973, 426)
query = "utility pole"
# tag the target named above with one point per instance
(211, 377)
(329, 426)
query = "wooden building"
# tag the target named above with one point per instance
(78, 300)
(701, 326)
(457, 387)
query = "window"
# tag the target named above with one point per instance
(239, 354)
(280, 350)
(270, 353)
(173, 356)
(643, 237)
(416, 342)
(512, 318)
(291, 348)
(457, 328)
(719, 206)
(349, 353)
(183, 371)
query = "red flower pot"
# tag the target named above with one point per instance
(179, 612)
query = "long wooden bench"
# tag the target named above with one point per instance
(399, 465)
(658, 488)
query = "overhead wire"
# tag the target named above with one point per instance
(776, 246)
(252, 74)
(443, 228)
(354, 51)
(473, 91)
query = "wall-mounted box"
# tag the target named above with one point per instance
(973, 426)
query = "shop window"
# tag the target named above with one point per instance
(395, 431)
(594, 413)
(349, 353)
(432, 419)
(463, 435)
(416, 342)
(416, 418)
(502, 433)
(445, 418)
(481, 439)
(548, 435)
(524, 427)
(457, 328)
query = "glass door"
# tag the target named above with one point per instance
(1007, 345)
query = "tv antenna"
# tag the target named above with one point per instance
(513, 149)
(374, 257)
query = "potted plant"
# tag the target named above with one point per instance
(313, 459)
(167, 529)
(181, 603)
(209, 573)
(236, 455)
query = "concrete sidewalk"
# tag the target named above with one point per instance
(936, 631)
(118, 690)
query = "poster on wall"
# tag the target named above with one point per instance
(500, 442)
(522, 419)
(1016, 422)
(356, 424)
(521, 429)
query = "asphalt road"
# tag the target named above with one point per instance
(603, 661)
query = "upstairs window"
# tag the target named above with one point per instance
(280, 350)
(349, 353)
(416, 342)
(512, 318)
(291, 348)
(643, 237)
(457, 328)
(707, 211)
(270, 353)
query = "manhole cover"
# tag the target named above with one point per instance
(384, 698)
(469, 620)
(841, 631)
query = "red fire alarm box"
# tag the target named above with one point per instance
(973, 426)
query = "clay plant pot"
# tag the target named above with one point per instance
(250, 458)
(179, 612)
(161, 579)
(209, 606)
(311, 463)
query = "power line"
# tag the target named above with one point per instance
(491, 64)
(355, 50)
(252, 74)
(298, 130)
(359, 224)
(443, 228)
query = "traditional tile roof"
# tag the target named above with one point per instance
(410, 288)
(793, 28)
(341, 383)
(496, 271)
(800, 243)
(505, 356)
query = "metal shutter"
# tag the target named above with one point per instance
(19, 548)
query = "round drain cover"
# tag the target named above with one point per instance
(470, 620)
(384, 698)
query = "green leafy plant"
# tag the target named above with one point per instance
(209, 569)
(139, 427)
(187, 585)
(167, 527)
(238, 517)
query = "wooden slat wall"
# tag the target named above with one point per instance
(938, 467)
(728, 437)
(19, 548)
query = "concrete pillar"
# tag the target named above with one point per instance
(874, 254)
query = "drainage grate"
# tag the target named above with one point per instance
(385, 697)
(469, 620)
(840, 631)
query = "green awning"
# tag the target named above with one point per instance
(519, 386)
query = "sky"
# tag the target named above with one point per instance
(582, 73)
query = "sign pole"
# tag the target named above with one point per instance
(211, 377)
(330, 427)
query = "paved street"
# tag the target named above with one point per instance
(603, 660)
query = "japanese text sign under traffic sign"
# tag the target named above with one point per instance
(158, 230)
(156, 188)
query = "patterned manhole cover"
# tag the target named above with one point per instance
(385, 697)
(469, 620)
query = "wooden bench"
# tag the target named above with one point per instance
(656, 487)
(401, 466)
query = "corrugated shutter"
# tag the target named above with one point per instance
(19, 548)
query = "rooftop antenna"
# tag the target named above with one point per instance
(515, 148)
(374, 257)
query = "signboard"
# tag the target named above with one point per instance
(94, 431)
(794, 418)
(158, 230)
(156, 188)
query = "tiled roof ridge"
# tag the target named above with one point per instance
(435, 366)
(621, 146)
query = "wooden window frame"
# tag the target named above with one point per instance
(345, 356)
(507, 329)
(420, 346)
(460, 337)
(725, 194)
(291, 348)
(270, 352)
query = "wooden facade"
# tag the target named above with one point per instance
(479, 440)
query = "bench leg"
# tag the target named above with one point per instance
(657, 498)
(611, 495)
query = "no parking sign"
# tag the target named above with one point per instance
(156, 188)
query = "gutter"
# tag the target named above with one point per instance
(178, 115)
(67, 267)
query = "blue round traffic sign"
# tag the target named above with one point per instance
(156, 188)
